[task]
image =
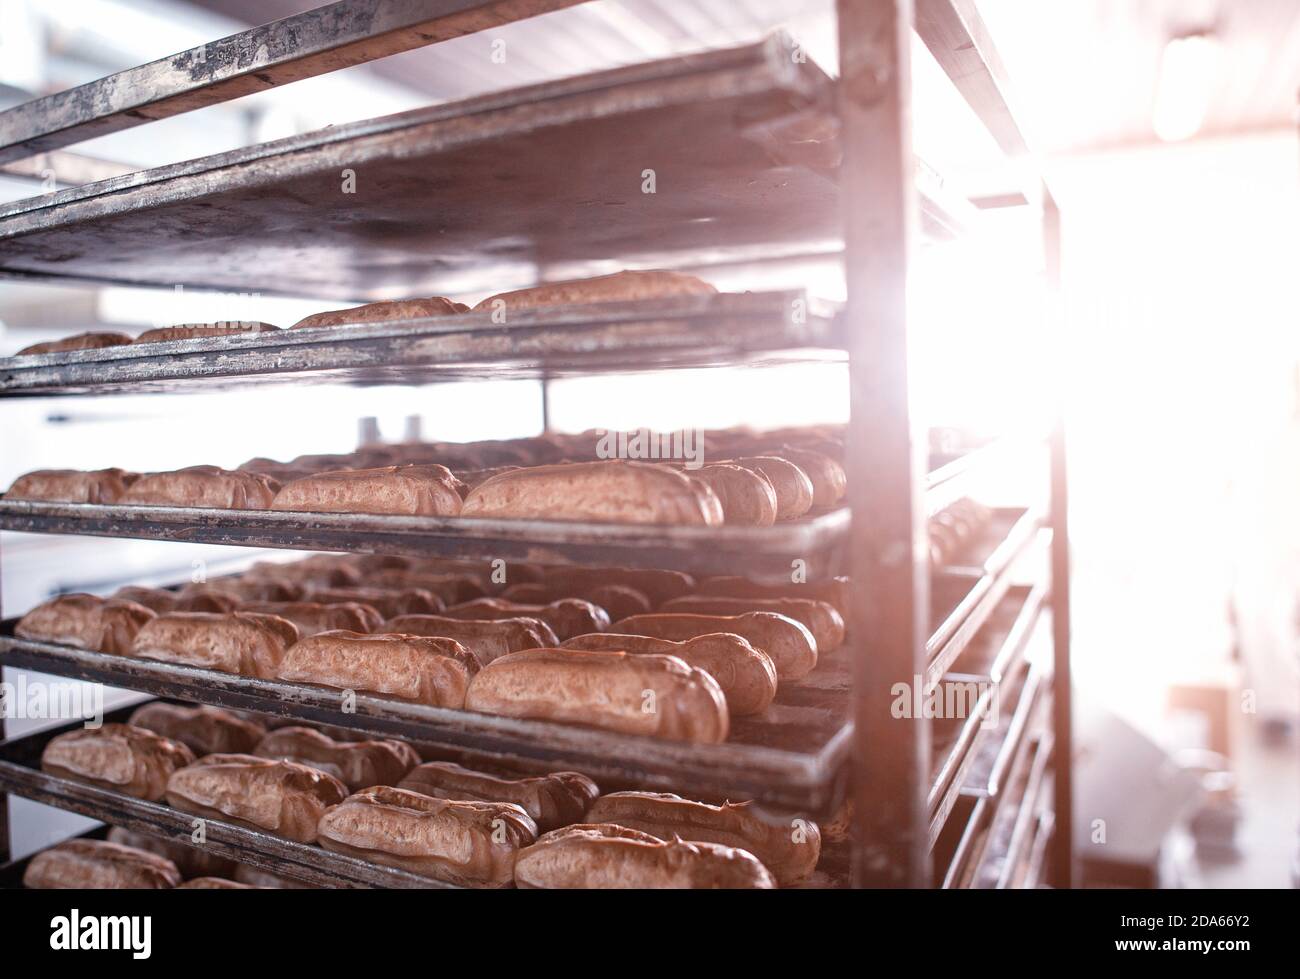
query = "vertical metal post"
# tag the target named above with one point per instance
(886, 447)
(1060, 872)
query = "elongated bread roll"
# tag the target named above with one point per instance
(204, 730)
(197, 331)
(602, 855)
(203, 486)
(99, 866)
(158, 599)
(72, 485)
(237, 642)
(85, 621)
(451, 587)
(618, 287)
(617, 600)
(357, 764)
(834, 591)
(793, 488)
(389, 311)
(191, 861)
(486, 638)
(821, 618)
(747, 496)
(418, 668)
(789, 848)
(567, 617)
(96, 340)
(163, 600)
(746, 675)
(790, 644)
(261, 589)
(827, 475)
(425, 491)
(468, 843)
(551, 801)
(603, 492)
(388, 603)
(282, 797)
(126, 759)
(313, 618)
(633, 694)
(656, 585)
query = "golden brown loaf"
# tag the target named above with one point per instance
(603, 492)
(567, 617)
(158, 599)
(485, 638)
(833, 591)
(203, 486)
(618, 601)
(283, 797)
(426, 670)
(648, 694)
(82, 341)
(72, 485)
(204, 730)
(747, 497)
(85, 621)
(793, 488)
(746, 675)
(425, 491)
(388, 603)
(191, 861)
(197, 331)
(389, 311)
(656, 585)
(618, 287)
(96, 865)
(602, 855)
(450, 587)
(237, 642)
(791, 646)
(827, 475)
(789, 848)
(551, 801)
(261, 589)
(126, 759)
(357, 764)
(821, 618)
(312, 618)
(468, 843)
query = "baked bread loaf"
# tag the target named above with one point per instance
(827, 475)
(158, 600)
(357, 764)
(833, 591)
(99, 866)
(567, 617)
(281, 797)
(426, 670)
(619, 601)
(468, 843)
(204, 730)
(450, 587)
(203, 486)
(658, 586)
(236, 642)
(601, 855)
(821, 618)
(85, 621)
(389, 311)
(793, 488)
(485, 638)
(790, 849)
(424, 491)
(647, 694)
(126, 759)
(388, 603)
(72, 485)
(191, 861)
(551, 801)
(790, 644)
(197, 331)
(163, 600)
(746, 496)
(313, 618)
(96, 340)
(264, 588)
(603, 492)
(618, 287)
(746, 675)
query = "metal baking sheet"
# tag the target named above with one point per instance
(476, 195)
(643, 335)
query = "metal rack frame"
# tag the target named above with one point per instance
(891, 600)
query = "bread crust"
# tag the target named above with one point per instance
(126, 759)
(823, 621)
(388, 311)
(653, 695)
(72, 485)
(834, 591)
(617, 287)
(566, 617)
(789, 643)
(246, 643)
(425, 491)
(281, 797)
(357, 764)
(829, 480)
(389, 603)
(793, 488)
(746, 675)
(656, 585)
(788, 850)
(196, 331)
(97, 865)
(204, 730)
(462, 842)
(551, 801)
(602, 855)
(486, 638)
(747, 497)
(313, 618)
(203, 486)
(108, 625)
(614, 491)
(94, 340)
(422, 669)
(191, 861)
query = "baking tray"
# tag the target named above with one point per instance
(474, 195)
(727, 329)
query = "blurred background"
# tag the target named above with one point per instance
(1168, 130)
